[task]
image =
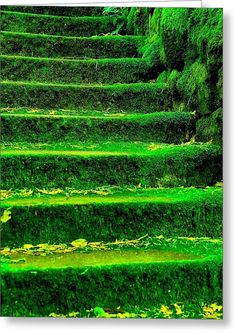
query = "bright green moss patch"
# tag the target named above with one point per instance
(121, 70)
(40, 45)
(59, 217)
(110, 164)
(97, 258)
(50, 126)
(58, 25)
(138, 97)
(144, 284)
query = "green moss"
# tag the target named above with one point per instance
(41, 45)
(57, 25)
(138, 21)
(193, 85)
(120, 70)
(122, 215)
(138, 97)
(219, 90)
(210, 127)
(110, 164)
(206, 34)
(173, 35)
(44, 127)
(57, 10)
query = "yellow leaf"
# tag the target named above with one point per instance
(166, 311)
(52, 192)
(5, 194)
(80, 243)
(28, 246)
(154, 146)
(26, 193)
(6, 216)
(178, 309)
(73, 314)
(219, 184)
(43, 245)
(160, 237)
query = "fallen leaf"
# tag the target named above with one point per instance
(6, 216)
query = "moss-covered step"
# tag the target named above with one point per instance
(58, 216)
(138, 276)
(138, 97)
(57, 10)
(89, 165)
(42, 45)
(71, 126)
(59, 70)
(59, 25)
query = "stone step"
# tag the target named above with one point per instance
(59, 70)
(180, 271)
(104, 214)
(42, 45)
(134, 98)
(45, 126)
(59, 25)
(89, 165)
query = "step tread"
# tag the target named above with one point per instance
(63, 70)
(76, 38)
(61, 25)
(137, 86)
(66, 11)
(59, 197)
(79, 61)
(83, 254)
(98, 258)
(75, 114)
(106, 149)
(60, 17)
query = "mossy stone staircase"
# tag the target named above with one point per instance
(106, 200)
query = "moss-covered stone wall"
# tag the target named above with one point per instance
(184, 47)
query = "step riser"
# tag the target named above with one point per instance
(52, 46)
(33, 292)
(139, 98)
(59, 71)
(38, 129)
(57, 10)
(107, 222)
(200, 168)
(61, 26)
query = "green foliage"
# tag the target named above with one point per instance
(115, 11)
(138, 21)
(173, 35)
(193, 85)
(210, 127)
(206, 34)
